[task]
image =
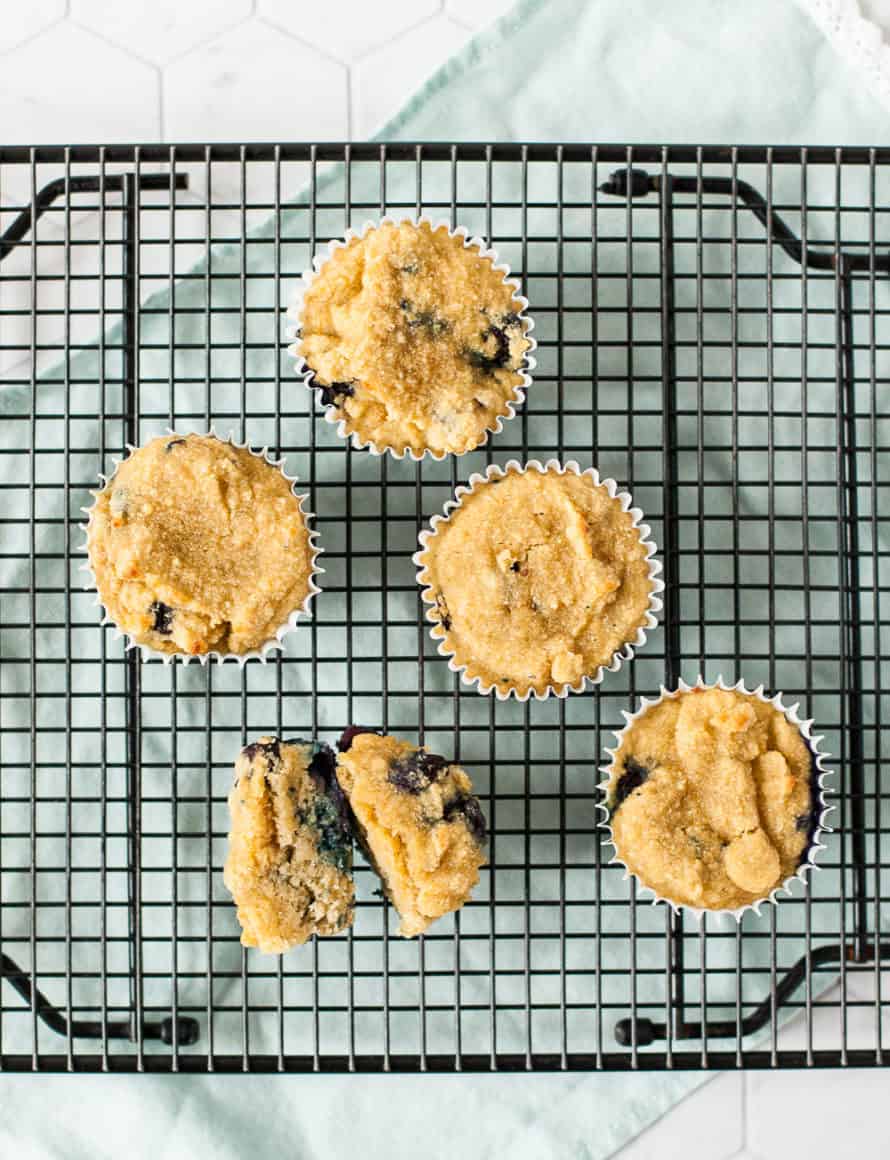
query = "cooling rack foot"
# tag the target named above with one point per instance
(647, 1032)
(643, 1031)
(187, 1028)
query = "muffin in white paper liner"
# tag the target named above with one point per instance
(274, 641)
(819, 809)
(627, 650)
(307, 374)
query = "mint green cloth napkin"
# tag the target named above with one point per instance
(616, 70)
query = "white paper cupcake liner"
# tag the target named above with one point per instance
(307, 374)
(625, 653)
(274, 641)
(821, 809)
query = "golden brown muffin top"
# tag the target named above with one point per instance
(538, 579)
(711, 798)
(414, 338)
(199, 546)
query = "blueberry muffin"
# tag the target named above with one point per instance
(199, 546)
(417, 822)
(414, 339)
(536, 580)
(289, 866)
(712, 798)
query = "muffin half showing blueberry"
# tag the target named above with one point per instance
(413, 338)
(417, 821)
(289, 866)
(198, 547)
(714, 797)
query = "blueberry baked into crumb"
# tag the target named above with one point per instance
(417, 821)
(199, 546)
(414, 338)
(289, 866)
(712, 798)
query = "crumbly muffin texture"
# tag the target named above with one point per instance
(289, 866)
(418, 824)
(199, 546)
(538, 580)
(414, 338)
(711, 797)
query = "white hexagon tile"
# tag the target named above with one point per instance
(28, 20)
(384, 79)
(69, 85)
(345, 29)
(162, 30)
(253, 83)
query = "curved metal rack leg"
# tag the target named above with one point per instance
(184, 1030)
(638, 183)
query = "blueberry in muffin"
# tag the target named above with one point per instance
(198, 546)
(418, 822)
(414, 338)
(289, 866)
(712, 798)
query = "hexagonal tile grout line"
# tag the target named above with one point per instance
(413, 89)
(254, 13)
(155, 68)
(90, 31)
(403, 32)
(44, 28)
(33, 36)
(349, 63)
(282, 31)
(213, 31)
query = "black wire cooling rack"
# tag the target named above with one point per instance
(713, 332)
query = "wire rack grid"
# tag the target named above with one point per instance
(713, 333)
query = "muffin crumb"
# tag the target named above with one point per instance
(414, 338)
(536, 582)
(205, 549)
(418, 822)
(289, 866)
(707, 795)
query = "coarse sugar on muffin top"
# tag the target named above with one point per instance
(711, 798)
(414, 338)
(536, 580)
(199, 546)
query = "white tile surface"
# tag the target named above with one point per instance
(209, 70)
(821, 1113)
(706, 1126)
(27, 20)
(476, 15)
(254, 83)
(382, 80)
(160, 31)
(346, 29)
(68, 85)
